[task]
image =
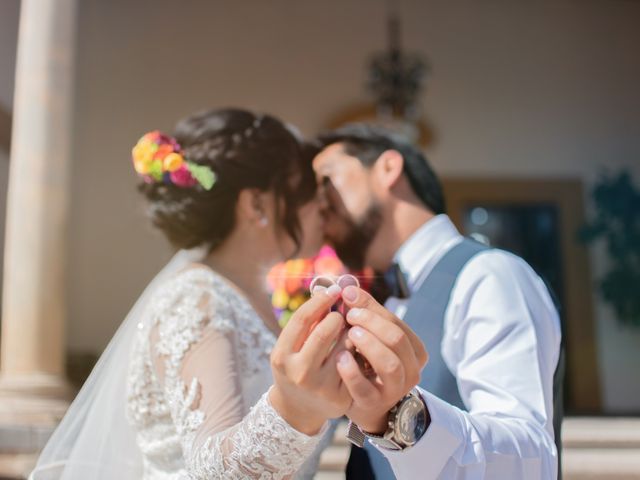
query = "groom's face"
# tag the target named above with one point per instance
(352, 215)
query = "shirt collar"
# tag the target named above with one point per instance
(419, 253)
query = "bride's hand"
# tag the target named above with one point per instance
(307, 389)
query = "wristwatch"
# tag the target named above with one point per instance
(408, 421)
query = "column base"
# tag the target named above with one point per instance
(31, 406)
(33, 399)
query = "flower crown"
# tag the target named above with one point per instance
(158, 158)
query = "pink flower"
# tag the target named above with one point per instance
(328, 265)
(183, 178)
(326, 251)
(152, 136)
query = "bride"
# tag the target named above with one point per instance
(185, 388)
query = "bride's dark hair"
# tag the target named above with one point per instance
(244, 150)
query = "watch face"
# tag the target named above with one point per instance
(411, 421)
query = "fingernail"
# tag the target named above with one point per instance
(354, 313)
(344, 358)
(357, 333)
(318, 289)
(334, 290)
(350, 294)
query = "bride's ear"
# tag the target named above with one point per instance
(252, 207)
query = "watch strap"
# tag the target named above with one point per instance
(355, 435)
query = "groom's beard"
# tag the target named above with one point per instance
(352, 247)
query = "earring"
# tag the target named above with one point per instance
(264, 221)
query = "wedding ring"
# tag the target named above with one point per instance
(322, 281)
(326, 281)
(347, 281)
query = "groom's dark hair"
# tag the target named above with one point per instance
(367, 142)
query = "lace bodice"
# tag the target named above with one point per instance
(197, 387)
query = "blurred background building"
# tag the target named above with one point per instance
(520, 107)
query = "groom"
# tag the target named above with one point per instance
(485, 406)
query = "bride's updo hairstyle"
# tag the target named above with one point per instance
(226, 151)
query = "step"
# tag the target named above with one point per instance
(601, 432)
(595, 448)
(601, 464)
(334, 458)
(324, 476)
(340, 437)
(16, 466)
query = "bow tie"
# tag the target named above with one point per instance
(396, 281)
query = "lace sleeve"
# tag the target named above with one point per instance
(195, 357)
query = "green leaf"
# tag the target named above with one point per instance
(203, 175)
(155, 170)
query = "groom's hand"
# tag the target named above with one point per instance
(395, 353)
(307, 389)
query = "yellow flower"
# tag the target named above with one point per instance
(173, 162)
(142, 167)
(142, 152)
(296, 266)
(280, 299)
(296, 302)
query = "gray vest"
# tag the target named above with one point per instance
(425, 316)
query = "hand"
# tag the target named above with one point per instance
(395, 353)
(307, 388)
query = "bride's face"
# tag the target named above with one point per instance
(307, 209)
(311, 226)
(311, 237)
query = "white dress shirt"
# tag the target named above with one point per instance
(501, 341)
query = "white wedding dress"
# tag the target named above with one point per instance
(196, 390)
(179, 393)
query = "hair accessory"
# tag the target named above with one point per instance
(157, 157)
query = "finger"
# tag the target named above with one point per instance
(361, 389)
(391, 335)
(343, 282)
(343, 343)
(329, 371)
(322, 339)
(387, 365)
(313, 310)
(357, 298)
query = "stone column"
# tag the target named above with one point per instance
(32, 363)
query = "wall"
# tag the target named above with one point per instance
(544, 88)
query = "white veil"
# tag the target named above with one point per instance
(94, 440)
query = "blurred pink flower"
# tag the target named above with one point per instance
(183, 178)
